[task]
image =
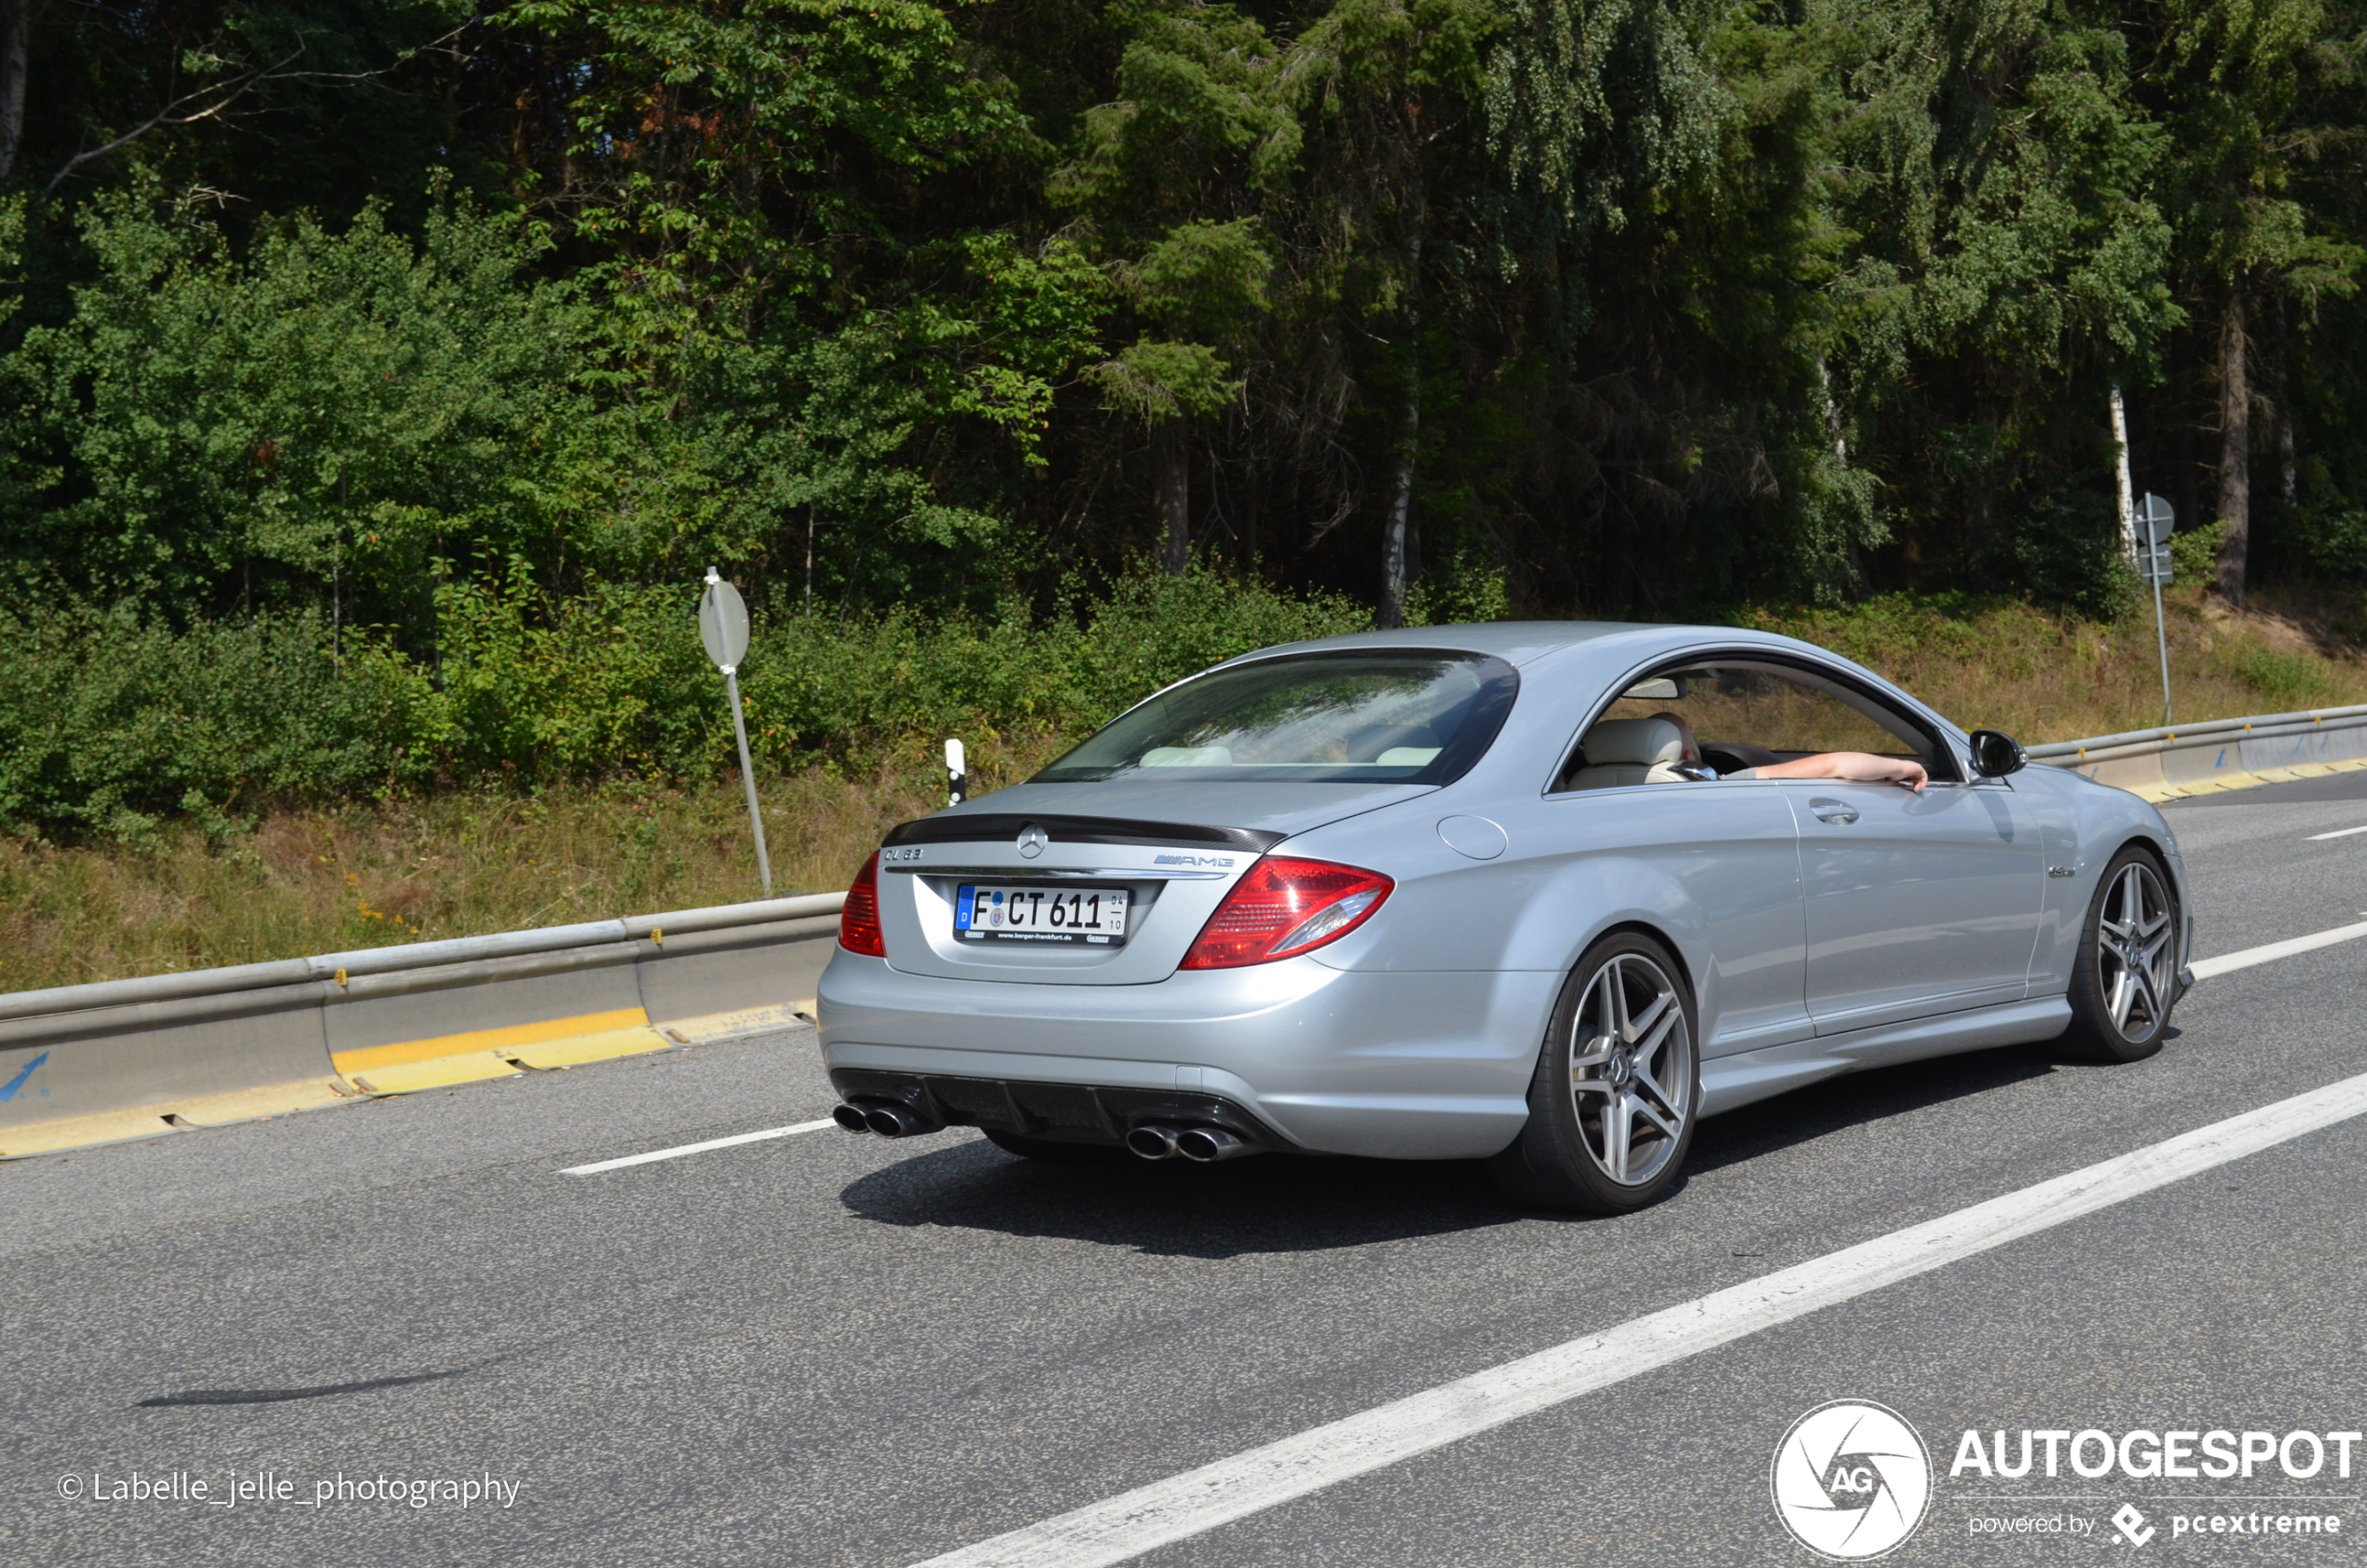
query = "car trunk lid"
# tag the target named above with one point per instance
(1172, 848)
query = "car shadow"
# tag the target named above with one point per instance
(1284, 1203)
(1278, 1203)
(1819, 1109)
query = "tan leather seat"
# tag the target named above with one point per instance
(1631, 751)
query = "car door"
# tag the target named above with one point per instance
(1917, 904)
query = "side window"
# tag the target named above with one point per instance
(1741, 714)
(1773, 710)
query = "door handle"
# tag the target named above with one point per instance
(1834, 811)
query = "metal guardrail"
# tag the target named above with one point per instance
(82, 1051)
(2185, 755)
(343, 967)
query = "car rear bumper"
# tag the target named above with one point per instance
(1433, 1065)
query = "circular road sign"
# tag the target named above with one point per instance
(723, 622)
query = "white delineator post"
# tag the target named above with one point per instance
(723, 629)
(957, 774)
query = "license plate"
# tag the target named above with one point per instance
(988, 912)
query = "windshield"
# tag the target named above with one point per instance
(1385, 716)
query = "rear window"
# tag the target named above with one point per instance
(1382, 716)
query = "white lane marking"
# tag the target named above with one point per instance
(599, 1166)
(2338, 833)
(1183, 1505)
(2205, 968)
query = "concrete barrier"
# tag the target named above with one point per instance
(2219, 754)
(261, 1037)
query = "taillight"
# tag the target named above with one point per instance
(860, 917)
(1281, 908)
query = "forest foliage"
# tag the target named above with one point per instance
(378, 374)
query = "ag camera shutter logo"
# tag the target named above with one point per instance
(1850, 1480)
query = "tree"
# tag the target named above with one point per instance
(1174, 176)
(2234, 83)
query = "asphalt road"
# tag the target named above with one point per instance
(822, 1350)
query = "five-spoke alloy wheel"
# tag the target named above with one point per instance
(1613, 1102)
(2126, 978)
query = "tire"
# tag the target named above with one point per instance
(1053, 1153)
(2124, 981)
(1619, 1052)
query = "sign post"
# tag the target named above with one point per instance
(2154, 520)
(723, 629)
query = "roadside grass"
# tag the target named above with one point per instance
(375, 872)
(370, 874)
(2041, 677)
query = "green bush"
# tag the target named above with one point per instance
(109, 724)
(2194, 553)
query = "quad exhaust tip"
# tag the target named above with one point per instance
(1208, 1145)
(893, 1121)
(1157, 1141)
(1151, 1140)
(886, 1118)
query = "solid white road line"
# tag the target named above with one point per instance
(2338, 833)
(599, 1166)
(1184, 1506)
(2205, 968)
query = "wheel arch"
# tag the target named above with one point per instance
(1639, 927)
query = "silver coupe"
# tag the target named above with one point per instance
(1539, 895)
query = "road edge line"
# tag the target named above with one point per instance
(1148, 1517)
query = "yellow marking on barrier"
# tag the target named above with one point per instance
(437, 1072)
(369, 1057)
(200, 1112)
(2158, 793)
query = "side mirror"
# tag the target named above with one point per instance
(1996, 754)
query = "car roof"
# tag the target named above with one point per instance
(1525, 642)
(1613, 643)
(1515, 642)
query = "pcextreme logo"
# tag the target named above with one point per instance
(1850, 1480)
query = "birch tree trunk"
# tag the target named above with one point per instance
(2235, 449)
(2120, 464)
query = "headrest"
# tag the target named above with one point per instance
(1638, 741)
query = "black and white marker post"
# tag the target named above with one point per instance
(723, 627)
(957, 774)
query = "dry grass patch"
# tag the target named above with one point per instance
(369, 874)
(2045, 678)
